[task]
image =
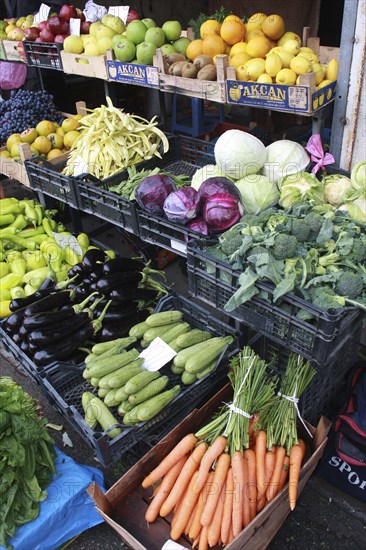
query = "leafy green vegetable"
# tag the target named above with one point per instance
(26, 458)
(127, 188)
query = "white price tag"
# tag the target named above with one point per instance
(42, 15)
(75, 26)
(81, 167)
(157, 355)
(177, 245)
(68, 240)
(119, 11)
(172, 545)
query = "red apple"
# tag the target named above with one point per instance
(38, 39)
(84, 27)
(58, 25)
(80, 14)
(132, 15)
(46, 35)
(31, 33)
(68, 12)
(59, 38)
(42, 25)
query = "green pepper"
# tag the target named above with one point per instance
(38, 239)
(7, 202)
(30, 214)
(61, 275)
(83, 241)
(50, 213)
(4, 308)
(26, 202)
(8, 231)
(46, 223)
(34, 260)
(6, 219)
(28, 290)
(5, 294)
(19, 223)
(29, 233)
(10, 280)
(17, 292)
(2, 256)
(54, 254)
(11, 209)
(60, 227)
(36, 282)
(18, 241)
(35, 273)
(71, 257)
(18, 266)
(110, 253)
(39, 213)
(12, 255)
(4, 269)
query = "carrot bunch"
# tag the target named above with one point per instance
(214, 482)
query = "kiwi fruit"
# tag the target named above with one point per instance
(207, 73)
(189, 70)
(176, 68)
(202, 60)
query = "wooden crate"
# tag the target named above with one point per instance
(85, 65)
(124, 505)
(16, 170)
(2, 51)
(14, 51)
(325, 53)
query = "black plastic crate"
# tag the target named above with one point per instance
(44, 54)
(48, 179)
(317, 399)
(64, 387)
(214, 282)
(185, 155)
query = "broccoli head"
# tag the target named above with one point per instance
(325, 298)
(285, 246)
(251, 219)
(315, 222)
(300, 229)
(358, 252)
(231, 243)
(349, 284)
(276, 220)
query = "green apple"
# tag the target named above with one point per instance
(104, 44)
(149, 23)
(172, 30)
(167, 49)
(135, 31)
(3, 35)
(114, 22)
(103, 30)
(3, 25)
(155, 35)
(181, 45)
(117, 38)
(93, 28)
(124, 50)
(145, 53)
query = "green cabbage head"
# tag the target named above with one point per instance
(358, 176)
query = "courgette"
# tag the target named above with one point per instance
(153, 332)
(174, 332)
(174, 345)
(94, 381)
(144, 344)
(163, 318)
(104, 417)
(105, 366)
(137, 331)
(153, 388)
(114, 348)
(194, 336)
(188, 378)
(86, 374)
(125, 407)
(102, 392)
(121, 395)
(110, 398)
(176, 370)
(138, 382)
(120, 378)
(183, 355)
(88, 411)
(202, 373)
(130, 418)
(151, 407)
(201, 360)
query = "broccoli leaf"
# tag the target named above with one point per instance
(321, 279)
(325, 233)
(246, 290)
(286, 285)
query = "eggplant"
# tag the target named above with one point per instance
(22, 331)
(20, 303)
(77, 269)
(48, 319)
(119, 315)
(63, 348)
(54, 300)
(86, 281)
(120, 329)
(43, 336)
(96, 273)
(92, 257)
(114, 280)
(80, 292)
(123, 264)
(123, 295)
(11, 323)
(24, 346)
(17, 339)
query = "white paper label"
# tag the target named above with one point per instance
(81, 167)
(119, 11)
(68, 240)
(75, 26)
(172, 545)
(179, 246)
(42, 15)
(157, 355)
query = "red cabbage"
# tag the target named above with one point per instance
(152, 192)
(182, 205)
(218, 184)
(199, 225)
(221, 211)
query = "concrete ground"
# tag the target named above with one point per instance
(324, 518)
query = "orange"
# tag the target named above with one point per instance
(211, 26)
(232, 32)
(253, 33)
(239, 59)
(227, 49)
(194, 49)
(273, 26)
(259, 46)
(255, 21)
(240, 47)
(233, 18)
(213, 45)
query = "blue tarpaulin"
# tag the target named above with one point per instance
(67, 511)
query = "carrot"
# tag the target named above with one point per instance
(238, 475)
(190, 521)
(273, 486)
(184, 446)
(260, 459)
(252, 426)
(284, 473)
(228, 507)
(177, 509)
(183, 479)
(163, 491)
(251, 486)
(203, 542)
(196, 541)
(269, 465)
(214, 451)
(231, 535)
(246, 504)
(297, 453)
(214, 529)
(196, 524)
(222, 467)
(185, 510)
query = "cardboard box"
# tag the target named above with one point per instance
(123, 506)
(14, 51)
(2, 51)
(85, 65)
(131, 73)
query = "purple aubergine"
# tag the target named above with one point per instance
(222, 211)
(182, 205)
(152, 192)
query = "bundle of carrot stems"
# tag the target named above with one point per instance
(217, 480)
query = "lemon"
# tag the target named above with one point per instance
(14, 138)
(324, 83)
(254, 68)
(259, 46)
(332, 70)
(264, 78)
(291, 46)
(273, 64)
(286, 76)
(285, 58)
(255, 21)
(319, 72)
(311, 56)
(239, 47)
(239, 59)
(288, 36)
(300, 65)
